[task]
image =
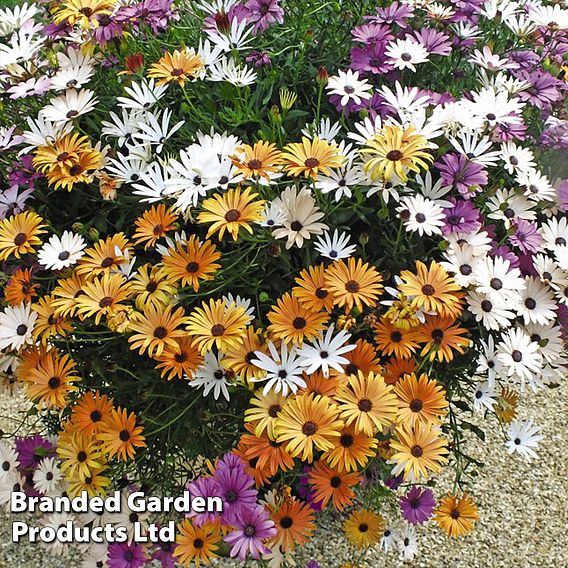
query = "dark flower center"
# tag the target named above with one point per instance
(352, 286)
(309, 429)
(296, 226)
(54, 382)
(428, 290)
(346, 440)
(416, 405)
(394, 155)
(192, 267)
(273, 410)
(232, 215)
(299, 323)
(486, 306)
(517, 356)
(321, 293)
(530, 303)
(22, 329)
(160, 332)
(286, 522)
(311, 163)
(105, 302)
(124, 435)
(365, 405)
(217, 330)
(335, 481)
(396, 336)
(416, 451)
(96, 416)
(64, 255)
(81, 457)
(20, 239)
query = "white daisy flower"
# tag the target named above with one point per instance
(60, 252)
(43, 132)
(516, 158)
(502, 283)
(284, 370)
(16, 326)
(154, 182)
(349, 87)
(237, 37)
(406, 53)
(301, 217)
(476, 148)
(484, 397)
(12, 19)
(479, 241)
(389, 539)
(325, 130)
(366, 129)
(228, 70)
(492, 315)
(495, 108)
(244, 303)
(272, 216)
(537, 185)
(143, 96)
(9, 484)
(520, 356)
(491, 61)
(8, 461)
(334, 246)
(506, 205)
(421, 215)
(341, 181)
(523, 438)
(550, 340)
(70, 105)
(47, 477)
(127, 169)
(462, 263)
(156, 130)
(537, 302)
(407, 542)
(488, 362)
(325, 352)
(212, 376)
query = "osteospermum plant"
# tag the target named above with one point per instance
(287, 254)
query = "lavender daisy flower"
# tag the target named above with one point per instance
(435, 42)
(372, 33)
(259, 59)
(156, 14)
(203, 487)
(124, 555)
(505, 252)
(525, 59)
(162, 552)
(54, 31)
(236, 489)
(526, 236)
(23, 173)
(544, 89)
(12, 202)
(370, 59)
(264, 13)
(32, 450)
(393, 482)
(107, 30)
(313, 564)
(562, 195)
(253, 526)
(462, 217)
(32, 87)
(417, 505)
(395, 13)
(462, 174)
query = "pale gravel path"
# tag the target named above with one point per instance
(523, 507)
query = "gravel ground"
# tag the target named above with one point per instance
(523, 511)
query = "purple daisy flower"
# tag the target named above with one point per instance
(108, 29)
(462, 174)
(32, 450)
(555, 135)
(22, 173)
(526, 236)
(313, 564)
(435, 42)
(544, 89)
(264, 13)
(156, 14)
(230, 461)
(305, 491)
(504, 132)
(505, 252)
(372, 33)
(259, 59)
(417, 505)
(162, 552)
(253, 526)
(203, 487)
(395, 13)
(462, 217)
(562, 195)
(393, 482)
(526, 265)
(236, 489)
(124, 555)
(370, 59)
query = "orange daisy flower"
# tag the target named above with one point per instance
(432, 289)
(239, 358)
(353, 284)
(258, 161)
(291, 322)
(179, 66)
(332, 485)
(311, 291)
(317, 384)
(156, 329)
(19, 234)
(105, 255)
(48, 323)
(182, 359)
(90, 411)
(120, 436)
(456, 516)
(154, 224)
(420, 400)
(191, 262)
(352, 450)
(392, 340)
(20, 288)
(394, 369)
(363, 358)
(294, 522)
(441, 337)
(271, 455)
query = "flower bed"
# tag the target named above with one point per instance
(278, 253)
